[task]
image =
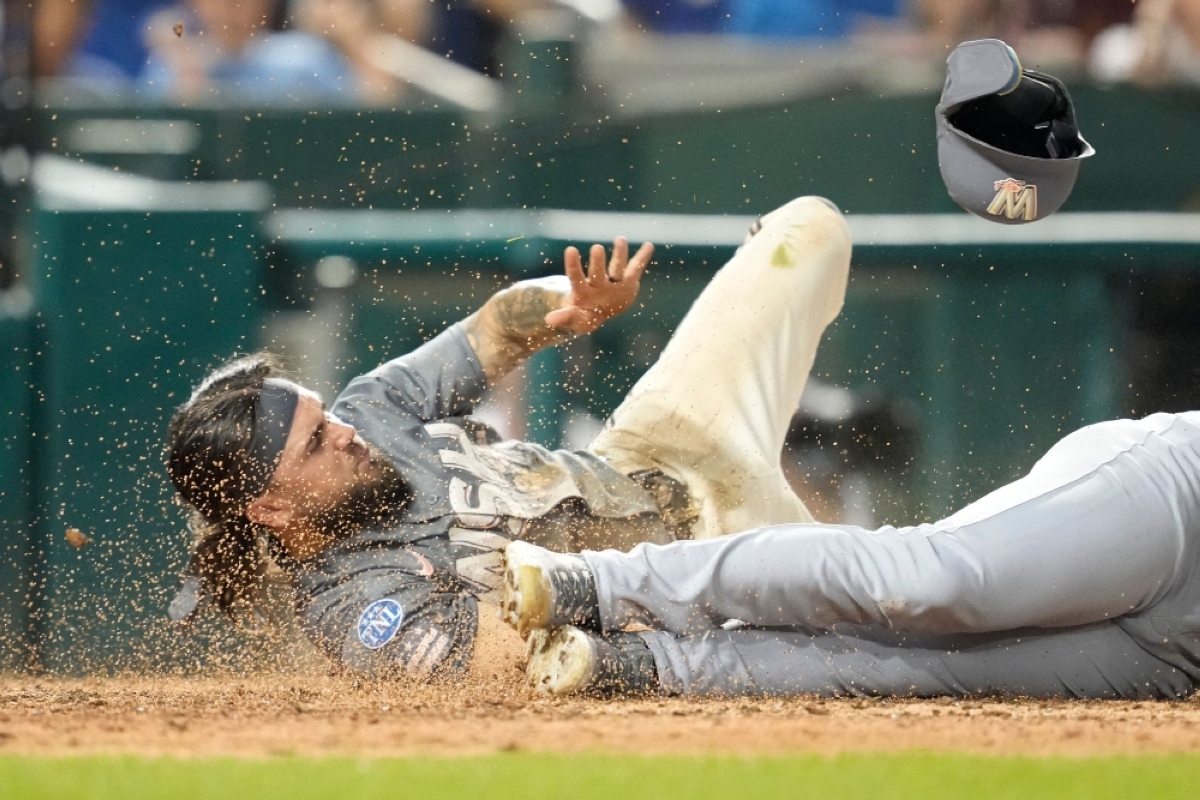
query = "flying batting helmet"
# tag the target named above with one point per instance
(1008, 144)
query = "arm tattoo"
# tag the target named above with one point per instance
(511, 326)
(521, 312)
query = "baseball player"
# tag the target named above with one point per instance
(390, 509)
(1080, 579)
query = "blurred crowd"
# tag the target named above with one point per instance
(187, 49)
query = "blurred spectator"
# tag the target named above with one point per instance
(805, 19)
(470, 32)
(1093, 17)
(774, 19)
(467, 32)
(681, 16)
(100, 40)
(207, 47)
(949, 22)
(55, 28)
(350, 26)
(1051, 34)
(113, 42)
(1162, 45)
(1053, 31)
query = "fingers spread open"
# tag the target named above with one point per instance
(639, 262)
(574, 265)
(620, 257)
(596, 266)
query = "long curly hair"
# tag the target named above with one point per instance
(209, 462)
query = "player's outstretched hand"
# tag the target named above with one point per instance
(606, 291)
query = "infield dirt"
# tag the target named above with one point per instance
(306, 713)
(265, 716)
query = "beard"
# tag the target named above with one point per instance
(369, 504)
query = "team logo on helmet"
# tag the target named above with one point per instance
(379, 623)
(1014, 199)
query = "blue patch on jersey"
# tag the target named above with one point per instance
(379, 623)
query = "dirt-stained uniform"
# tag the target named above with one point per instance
(471, 494)
(701, 432)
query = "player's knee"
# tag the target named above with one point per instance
(818, 215)
(804, 208)
(829, 203)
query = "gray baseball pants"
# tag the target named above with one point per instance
(1078, 580)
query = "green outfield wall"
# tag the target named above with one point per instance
(140, 288)
(873, 154)
(17, 449)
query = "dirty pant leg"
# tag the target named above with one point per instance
(714, 409)
(1096, 661)
(1102, 527)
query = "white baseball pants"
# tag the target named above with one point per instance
(714, 409)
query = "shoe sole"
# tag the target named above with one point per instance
(525, 601)
(561, 662)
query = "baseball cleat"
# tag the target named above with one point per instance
(547, 590)
(570, 661)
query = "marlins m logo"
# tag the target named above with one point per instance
(1014, 199)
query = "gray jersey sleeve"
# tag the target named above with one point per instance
(441, 378)
(392, 617)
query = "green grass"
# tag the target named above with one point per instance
(606, 777)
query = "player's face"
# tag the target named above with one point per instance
(323, 461)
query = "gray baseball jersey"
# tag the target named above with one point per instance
(1080, 579)
(404, 597)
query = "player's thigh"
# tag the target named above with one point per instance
(1112, 542)
(1104, 525)
(1093, 448)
